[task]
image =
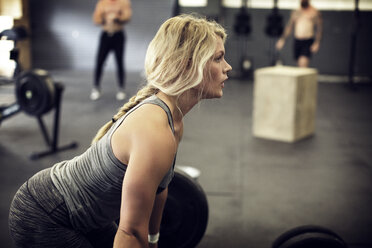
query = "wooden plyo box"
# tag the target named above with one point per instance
(284, 103)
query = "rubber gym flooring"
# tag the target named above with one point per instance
(257, 189)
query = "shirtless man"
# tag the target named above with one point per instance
(111, 15)
(307, 24)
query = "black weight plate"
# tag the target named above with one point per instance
(311, 240)
(309, 236)
(35, 92)
(242, 25)
(274, 27)
(185, 215)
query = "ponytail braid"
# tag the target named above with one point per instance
(141, 95)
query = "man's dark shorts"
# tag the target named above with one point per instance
(302, 48)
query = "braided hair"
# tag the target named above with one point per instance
(141, 95)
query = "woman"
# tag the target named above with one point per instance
(126, 171)
(111, 15)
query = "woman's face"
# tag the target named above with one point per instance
(215, 73)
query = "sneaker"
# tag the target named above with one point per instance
(95, 94)
(120, 95)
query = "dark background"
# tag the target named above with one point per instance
(64, 37)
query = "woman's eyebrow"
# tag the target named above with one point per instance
(219, 53)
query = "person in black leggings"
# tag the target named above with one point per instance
(111, 15)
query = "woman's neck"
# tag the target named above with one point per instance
(181, 105)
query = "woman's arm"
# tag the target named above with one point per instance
(157, 213)
(151, 153)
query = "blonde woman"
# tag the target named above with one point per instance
(126, 171)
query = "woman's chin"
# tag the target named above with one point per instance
(212, 96)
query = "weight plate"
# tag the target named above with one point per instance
(185, 215)
(274, 27)
(309, 236)
(35, 92)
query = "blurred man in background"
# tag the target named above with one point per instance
(307, 24)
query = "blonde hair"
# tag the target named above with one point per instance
(175, 59)
(179, 52)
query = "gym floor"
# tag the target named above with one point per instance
(257, 189)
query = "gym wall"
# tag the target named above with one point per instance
(333, 56)
(64, 36)
(334, 53)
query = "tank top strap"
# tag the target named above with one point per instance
(150, 100)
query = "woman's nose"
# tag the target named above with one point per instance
(228, 67)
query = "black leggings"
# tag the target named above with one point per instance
(108, 42)
(39, 218)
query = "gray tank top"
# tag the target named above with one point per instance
(91, 183)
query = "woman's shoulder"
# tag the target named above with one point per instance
(145, 130)
(151, 133)
(149, 118)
